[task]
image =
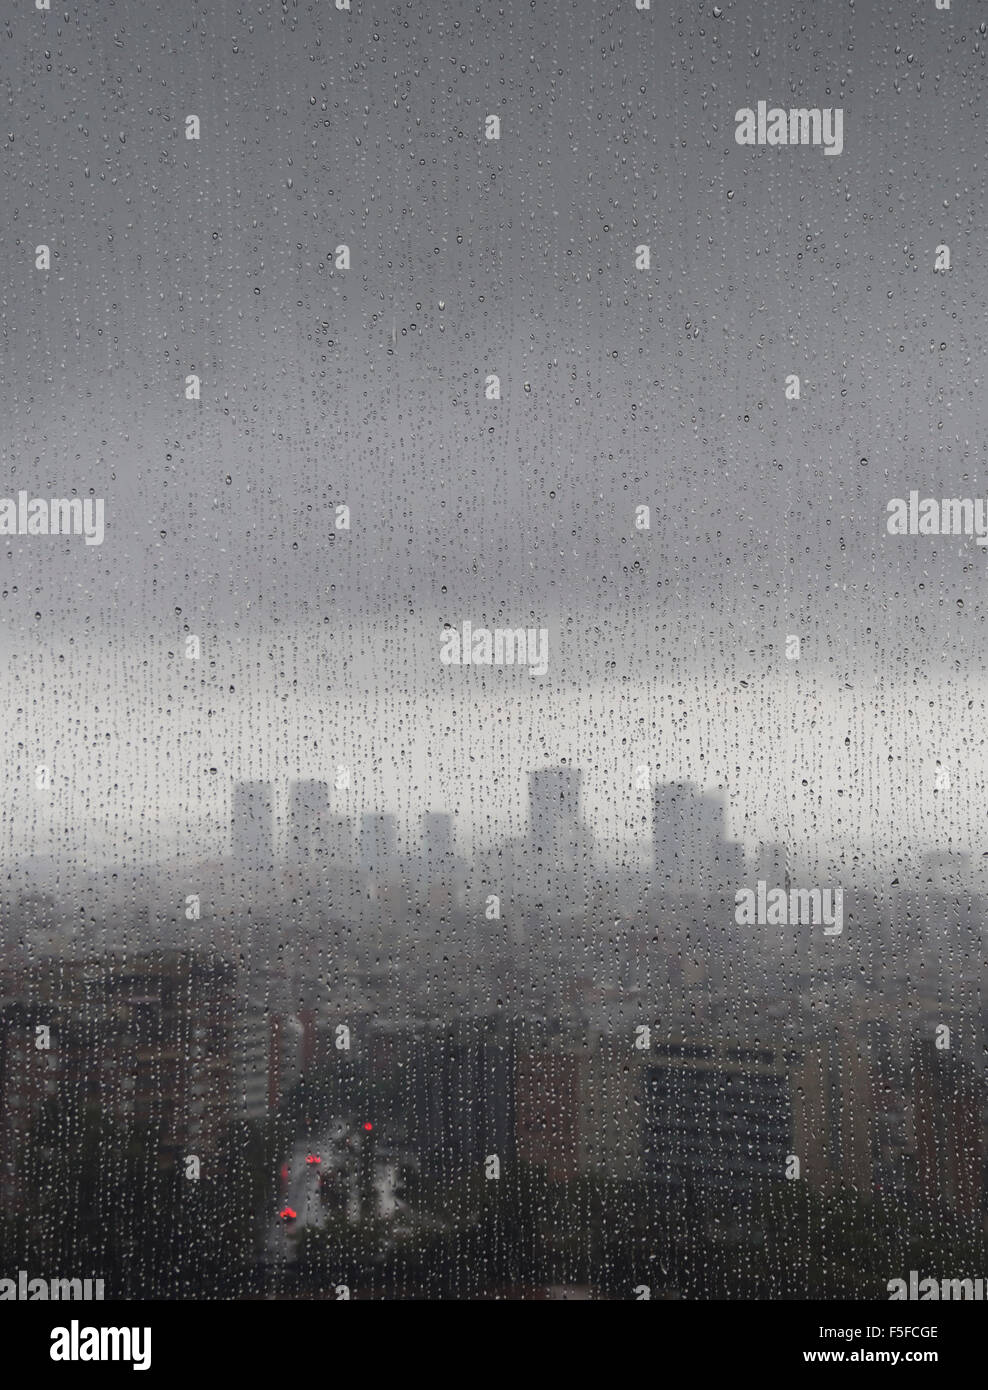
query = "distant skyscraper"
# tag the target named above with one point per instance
(554, 797)
(308, 821)
(437, 842)
(339, 841)
(556, 828)
(772, 864)
(253, 825)
(378, 844)
(688, 833)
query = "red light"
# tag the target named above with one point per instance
(368, 1127)
(288, 1214)
(313, 1158)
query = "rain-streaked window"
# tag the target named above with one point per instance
(493, 530)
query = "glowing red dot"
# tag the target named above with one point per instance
(368, 1126)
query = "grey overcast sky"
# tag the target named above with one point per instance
(365, 387)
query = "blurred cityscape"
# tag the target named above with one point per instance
(324, 1067)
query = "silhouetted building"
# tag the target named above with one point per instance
(554, 796)
(379, 844)
(339, 841)
(947, 1101)
(253, 825)
(460, 1081)
(549, 1112)
(558, 840)
(308, 821)
(688, 835)
(771, 864)
(145, 1039)
(716, 1119)
(437, 843)
(28, 1077)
